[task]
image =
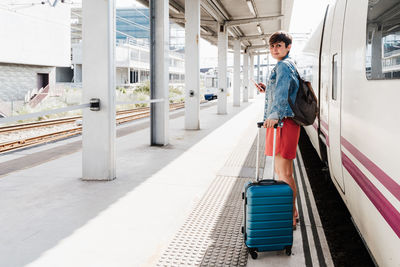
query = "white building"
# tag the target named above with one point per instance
(132, 62)
(35, 40)
(132, 58)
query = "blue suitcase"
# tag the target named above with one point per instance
(268, 212)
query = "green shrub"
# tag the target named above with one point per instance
(143, 88)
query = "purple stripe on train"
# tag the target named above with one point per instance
(388, 182)
(315, 125)
(391, 215)
(325, 125)
(326, 136)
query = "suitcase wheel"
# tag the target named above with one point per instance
(253, 253)
(288, 250)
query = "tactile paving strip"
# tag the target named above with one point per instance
(241, 162)
(211, 236)
(244, 154)
(251, 156)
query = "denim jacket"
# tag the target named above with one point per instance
(283, 79)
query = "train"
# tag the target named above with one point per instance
(211, 84)
(352, 60)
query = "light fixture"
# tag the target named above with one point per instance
(251, 7)
(174, 9)
(259, 29)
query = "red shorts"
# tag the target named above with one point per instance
(287, 139)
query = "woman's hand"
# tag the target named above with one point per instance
(261, 87)
(270, 123)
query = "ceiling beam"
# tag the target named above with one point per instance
(257, 47)
(255, 37)
(172, 5)
(219, 7)
(204, 22)
(175, 6)
(143, 2)
(252, 7)
(238, 22)
(232, 32)
(211, 11)
(388, 14)
(259, 54)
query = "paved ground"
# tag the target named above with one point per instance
(177, 205)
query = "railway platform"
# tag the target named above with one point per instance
(178, 205)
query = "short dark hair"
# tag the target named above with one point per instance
(280, 36)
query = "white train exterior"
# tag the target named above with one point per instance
(211, 84)
(353, 62)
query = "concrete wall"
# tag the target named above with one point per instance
(17, 80)
(121, 76)
(127, 56)
(64, 74)
(77, 53)
(35, 35)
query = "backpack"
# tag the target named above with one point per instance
(305, 107)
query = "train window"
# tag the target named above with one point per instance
(383, 40)
(334, 77)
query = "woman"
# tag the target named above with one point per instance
(282, 81)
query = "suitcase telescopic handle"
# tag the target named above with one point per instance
(259, 125)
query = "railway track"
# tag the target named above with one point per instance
(122, 117)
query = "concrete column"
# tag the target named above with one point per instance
(98, 141)
(222, 69)
(252, 88)
(129, 75)
(192, 66)
(52, 79)
(258, 68)
(77, 73)
(246, 77)
(236, 73)
(159, 64)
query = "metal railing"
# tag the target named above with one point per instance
(66, 109)
(42, 113)
(37, 98)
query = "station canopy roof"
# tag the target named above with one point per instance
(251, 21)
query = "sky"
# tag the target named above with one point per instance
(306, 15)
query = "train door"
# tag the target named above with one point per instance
(334, 118)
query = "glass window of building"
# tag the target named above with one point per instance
(133, 22)
(383, 40)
